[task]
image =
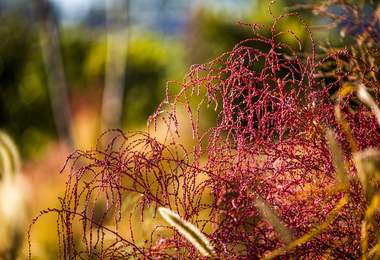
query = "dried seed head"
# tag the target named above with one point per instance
(191, 232)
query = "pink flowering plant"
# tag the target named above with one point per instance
(288, 169)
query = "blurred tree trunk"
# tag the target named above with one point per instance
(46, 21)
(117, 44)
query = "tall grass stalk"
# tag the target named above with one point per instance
(191, 232)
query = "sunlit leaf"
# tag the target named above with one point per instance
(309, 236)
(341, 169)
(366, 98)
(278, 225)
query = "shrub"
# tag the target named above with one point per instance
(261, 181)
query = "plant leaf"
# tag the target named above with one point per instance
(309, 236)
(366, 98)
(339, 163)
(267, 213)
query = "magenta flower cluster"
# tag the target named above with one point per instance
(272, 105)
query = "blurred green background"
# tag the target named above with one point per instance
(71, 69)
(57, 58)
(54, 58)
